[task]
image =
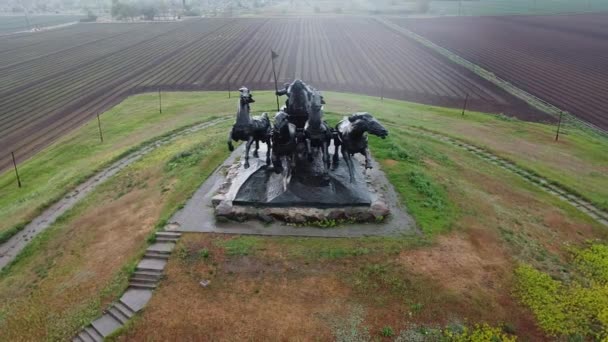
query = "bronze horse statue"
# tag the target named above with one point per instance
(352, 137)
(250, 129)
(318, 133)
(299, 97)
(283, 142)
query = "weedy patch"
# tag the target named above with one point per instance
(455, 333)
(577, 309)
(350, 328)
(240, 246)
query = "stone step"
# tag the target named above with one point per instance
(118, 315)
(82, 337)
(144, 280)
(124, 308)
(148, 270)
(140, 285)
(147, 275)
(157, 255)
(93, 333)
(166, 239)
(168, 234)
(106, 325)
(88, 334)
(161, 247)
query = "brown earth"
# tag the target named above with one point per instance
(559, 59)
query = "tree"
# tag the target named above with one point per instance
(149, 12)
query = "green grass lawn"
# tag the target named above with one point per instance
(578, 161)
(477, 220)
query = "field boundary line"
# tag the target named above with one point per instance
(13, 246)
(532, 100)
(579, 202)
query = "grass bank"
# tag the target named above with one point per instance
(70, 272)
(479, 222)
(50, 174)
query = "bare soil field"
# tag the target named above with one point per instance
(54, 81)
(562, 59)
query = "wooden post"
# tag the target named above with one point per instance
(464, 107)
(382, 92)
(160, 102)
(99, 125)
(559, 125)
(16, 171)
(229, 86)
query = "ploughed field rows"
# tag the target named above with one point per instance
(562, 60)
(53, 81)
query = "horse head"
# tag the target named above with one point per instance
(367, 123)
(246, 96)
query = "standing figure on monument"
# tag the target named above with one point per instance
(299, 95)
(250, 129)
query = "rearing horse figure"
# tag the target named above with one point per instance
(250, 129)
(318, 133)
(283, 142)
(352, 137)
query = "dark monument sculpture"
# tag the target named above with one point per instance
(301, 175)
(250, 129)
(353, 139)
(318, 133)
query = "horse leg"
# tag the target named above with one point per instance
(349, 164)
(230, 147)
(336, 156)
(257, 147)
(247, 147)
(269, 151)
(368, 158)
(326, 161)
(309, 150)
(277, 164)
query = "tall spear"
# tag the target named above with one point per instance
(273, 56)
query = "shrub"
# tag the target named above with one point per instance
(480, 333)
(387, 332)
(423, 6)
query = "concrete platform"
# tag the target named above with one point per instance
(198, 214)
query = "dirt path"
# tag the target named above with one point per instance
(10, 249)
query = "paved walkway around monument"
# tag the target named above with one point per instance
(10, 249)
(198, 214)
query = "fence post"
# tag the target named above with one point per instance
(16, 171)
(160, 102)
(382, 92)
(559, 124)
(464, 107)
(99, 125)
